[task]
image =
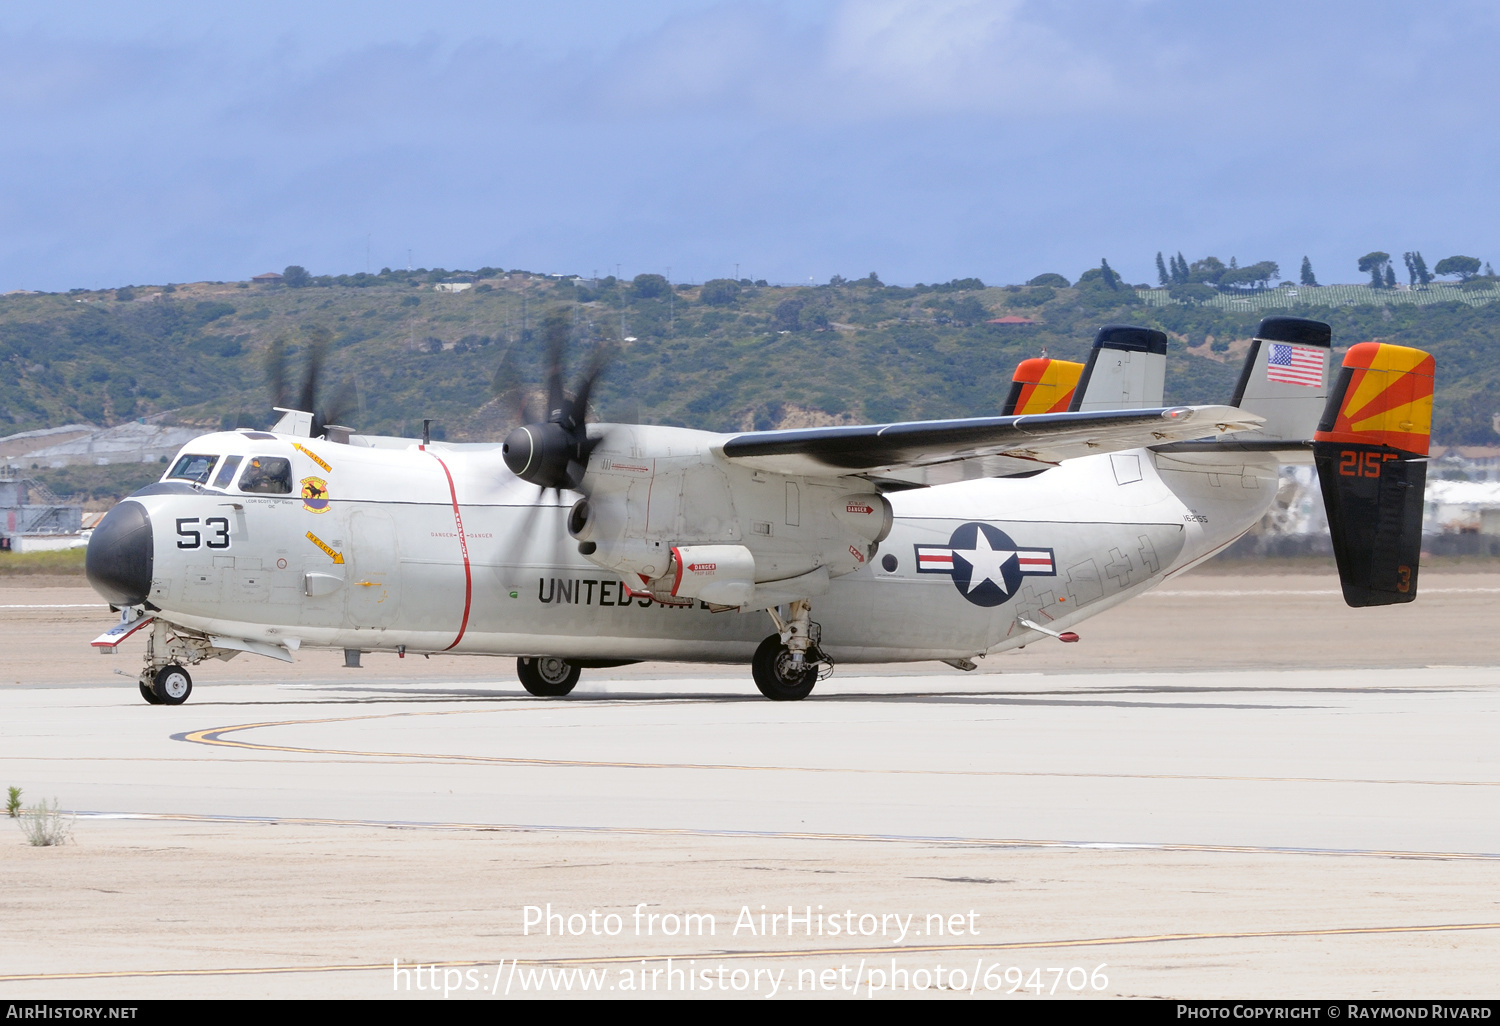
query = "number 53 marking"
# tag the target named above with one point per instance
(188, 537)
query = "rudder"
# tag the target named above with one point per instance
(1371, 452)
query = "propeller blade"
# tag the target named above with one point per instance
(276, 372)
(578, 409)
(317, 353)
(555, 333)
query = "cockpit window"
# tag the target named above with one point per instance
(192, 467)
(226, 471)
(269, 475)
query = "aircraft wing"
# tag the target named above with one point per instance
(932, 452)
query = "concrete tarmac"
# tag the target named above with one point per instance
(1233, 787)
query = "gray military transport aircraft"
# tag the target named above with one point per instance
(574, 546)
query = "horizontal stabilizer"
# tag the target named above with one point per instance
(1371, 453)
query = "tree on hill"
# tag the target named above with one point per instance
(1111, 279)
(650, 286)
(1057, 281)
(719, 292)
(1162, 276)
(1181, 273)
(1308, 278)
(1374, 263)
(1390, 276)
(1255, 275)
(1206, 271)
(1463, 266)
(1416, 268)
(295, 276)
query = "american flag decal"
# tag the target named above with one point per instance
(1295, 365)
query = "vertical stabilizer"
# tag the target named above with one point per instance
(1371, 452)
(1042, 385)
(1285, 378)
(1127, 370)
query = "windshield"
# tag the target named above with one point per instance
(226, 471)
(192, 467)
(270, 475)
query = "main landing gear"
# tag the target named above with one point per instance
(547, 676)
(787, 664)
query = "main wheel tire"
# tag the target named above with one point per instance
(776, 675)
(148, 694)
(172, 685)
(547, 676)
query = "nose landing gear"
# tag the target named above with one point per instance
(163, 679)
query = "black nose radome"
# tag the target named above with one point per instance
(120, 555)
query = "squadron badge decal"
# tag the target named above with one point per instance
(986, 566)
(315, 495)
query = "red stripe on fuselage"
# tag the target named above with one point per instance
(463, 545)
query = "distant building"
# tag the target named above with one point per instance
(269, 278)
(453, 286)
(32, 518)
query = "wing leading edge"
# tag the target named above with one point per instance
(932, 452)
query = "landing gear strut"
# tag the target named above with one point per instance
(789, 663)
(547, 676)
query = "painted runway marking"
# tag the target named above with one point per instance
(799, 835)
(214, 736)
(889, 949)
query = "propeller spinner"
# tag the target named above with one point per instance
(554, 453)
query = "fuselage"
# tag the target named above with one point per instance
(309, 543)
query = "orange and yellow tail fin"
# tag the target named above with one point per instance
(1371, 452)
(1042, 385)
(1383, 397)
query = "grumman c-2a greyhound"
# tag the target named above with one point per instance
(934, 540)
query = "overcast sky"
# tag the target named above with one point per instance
(925, 140)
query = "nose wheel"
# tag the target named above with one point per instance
(171, 685)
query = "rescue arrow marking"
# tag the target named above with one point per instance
(312, 456)
(337, 557)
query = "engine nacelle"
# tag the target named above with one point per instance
(756, 529)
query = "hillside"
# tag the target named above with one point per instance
(723, 355)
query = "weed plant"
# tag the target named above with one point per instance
(46, 825)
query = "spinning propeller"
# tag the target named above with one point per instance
(343, 400)
(554, 452)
